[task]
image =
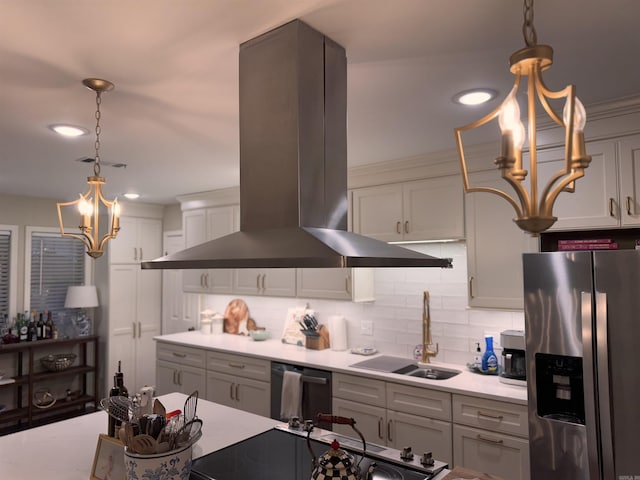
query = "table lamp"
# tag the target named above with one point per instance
(82, 297)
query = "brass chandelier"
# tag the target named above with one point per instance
(534, 210)
(90, 203)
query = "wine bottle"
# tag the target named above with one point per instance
(23, 328)
(113, 423)
(48, 325)
(40, 327)
(119, 378)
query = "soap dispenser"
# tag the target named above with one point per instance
(477, 359)
(489, 359)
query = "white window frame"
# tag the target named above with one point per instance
(29, 231)
(13, 269)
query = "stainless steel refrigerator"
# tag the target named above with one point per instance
(582, 317)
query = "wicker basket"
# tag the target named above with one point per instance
(58, 362)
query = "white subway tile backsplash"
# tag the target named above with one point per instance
(397, 311)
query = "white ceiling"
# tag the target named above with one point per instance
(173, 116)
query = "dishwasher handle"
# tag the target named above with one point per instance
(306, 378)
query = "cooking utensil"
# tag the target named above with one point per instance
(120, 408)
(143, 444)
(188, 434)
(190, 407)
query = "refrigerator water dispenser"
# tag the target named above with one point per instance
(560, 388)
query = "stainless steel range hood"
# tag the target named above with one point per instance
(293, 165)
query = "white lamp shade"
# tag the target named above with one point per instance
(83, 296)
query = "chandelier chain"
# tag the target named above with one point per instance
(528, 30)
(96, 163)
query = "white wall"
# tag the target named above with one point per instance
(397, 312)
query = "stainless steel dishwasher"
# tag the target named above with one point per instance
(316, 391)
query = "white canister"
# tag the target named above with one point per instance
(217, 322)
(205, 326)
(338, 332)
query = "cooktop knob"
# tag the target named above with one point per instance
(406, 454)
(427, 459)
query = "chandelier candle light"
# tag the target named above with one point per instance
(533, 215)
(89, 203)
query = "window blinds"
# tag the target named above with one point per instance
(5, 269)
(56, 263)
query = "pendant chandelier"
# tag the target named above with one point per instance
(534, 207)
(90, 204)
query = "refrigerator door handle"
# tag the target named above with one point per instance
(604, 402)
(590, 389)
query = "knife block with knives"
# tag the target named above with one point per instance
(316, 335)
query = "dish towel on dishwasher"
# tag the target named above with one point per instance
(291, 399)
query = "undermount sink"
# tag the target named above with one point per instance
(430, 373)
(404, 366)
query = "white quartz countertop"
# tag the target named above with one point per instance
(466, 383)
(65, 450)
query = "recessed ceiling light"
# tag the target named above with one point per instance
(132, 196)
(69, 130)
(475, 97)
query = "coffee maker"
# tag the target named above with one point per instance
(514, 367)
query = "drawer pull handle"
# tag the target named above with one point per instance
(175, 382)
(389, 431)
(471, 287)
(231, 392)
(406, 226)
(180, 377)
(179, 355)
(495, 416)
(497, 441)
(380, 428)
(236, 365)
(629, 199)
(398, 231)
(237, 393)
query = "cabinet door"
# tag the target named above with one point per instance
(253, 396)
(276, 282)
(220, 221)
(149, 239)
(594, 204)
(148, 317)
(172, 295)
(433, 209)
(495, 246)
(371, 421)
(190, 379)
(355, 284)
(377, 212)
(194, 226)
(629, 161)
(122, 322)
(166, 377)
(421, 434)
(496, 454)
(123, 249)
(220, 388)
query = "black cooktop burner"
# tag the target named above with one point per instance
(280, 455)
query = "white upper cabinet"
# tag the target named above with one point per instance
(495, 246)
(139, 239)
(607, 196)
(430, 209)
(200, 226)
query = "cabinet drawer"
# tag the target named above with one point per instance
(247, 367)
(496, 454)
(359, 389)
(491, 415)
(193, 357)
(419, 401)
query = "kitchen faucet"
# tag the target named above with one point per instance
(426, 330)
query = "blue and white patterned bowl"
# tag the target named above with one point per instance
(173, 465)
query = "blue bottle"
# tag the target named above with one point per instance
(489, 359)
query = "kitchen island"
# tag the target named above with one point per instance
(65, 450)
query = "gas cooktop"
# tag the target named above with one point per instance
(282, 454)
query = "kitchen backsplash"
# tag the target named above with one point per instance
(393, 323)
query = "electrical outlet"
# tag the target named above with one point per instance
(366, 327)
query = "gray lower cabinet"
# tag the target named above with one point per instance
(395, 415)
(491, 436)
(179, 369)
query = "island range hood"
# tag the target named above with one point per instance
(293, 165)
